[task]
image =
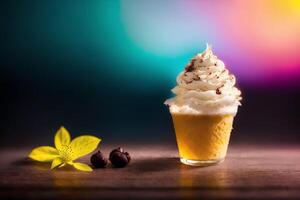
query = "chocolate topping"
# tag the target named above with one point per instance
(218, 90)
(205, 86)
(197, 78)
(190, 66)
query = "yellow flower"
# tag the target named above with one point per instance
(66, 151)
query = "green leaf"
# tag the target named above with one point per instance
(62, 137)
(57, 162)
(43, 154)
(83, 145)
(82, 167)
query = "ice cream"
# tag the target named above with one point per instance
(205, 87)
(203, 109)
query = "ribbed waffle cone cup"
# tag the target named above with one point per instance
(202, 139)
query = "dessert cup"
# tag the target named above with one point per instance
(203, 109)
(202, 139)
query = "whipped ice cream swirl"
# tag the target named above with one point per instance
(205, 87)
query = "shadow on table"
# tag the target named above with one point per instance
(157, 164)
(27, 163)
(34, 165)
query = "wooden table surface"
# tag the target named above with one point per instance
(249, 172)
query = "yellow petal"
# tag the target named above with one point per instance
(56, 163)
(83, 145)
(62, 137)
(82, 167)
(43, 154)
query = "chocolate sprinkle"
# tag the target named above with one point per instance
(218, 91)
(190, 67)
(197, 78)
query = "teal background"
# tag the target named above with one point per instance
(71, 63)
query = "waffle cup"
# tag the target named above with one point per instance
(202, 139)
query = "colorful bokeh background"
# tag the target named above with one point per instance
(259, 40)
(107, 66)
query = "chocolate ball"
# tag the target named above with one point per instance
(119, 158)
(98, 160)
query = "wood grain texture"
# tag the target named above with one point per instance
(249, 172)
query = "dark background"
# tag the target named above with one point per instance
(71, 63)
